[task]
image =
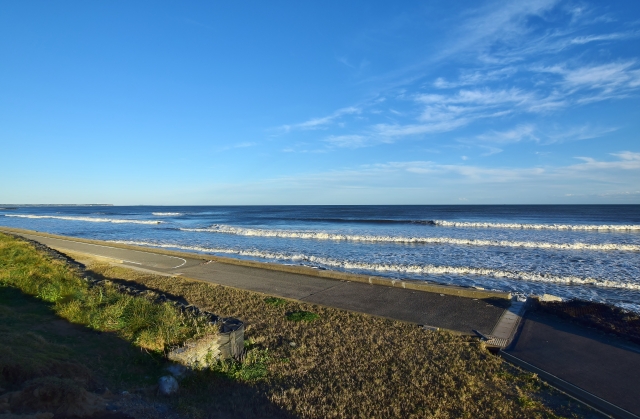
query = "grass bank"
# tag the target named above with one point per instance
(303, 360)
(148, 325)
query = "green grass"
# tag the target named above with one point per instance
(302, 316)
(275, 301)
(148, 325)
(36, 343)
(254, 367)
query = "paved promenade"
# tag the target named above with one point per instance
(449, 312)
(602, 366)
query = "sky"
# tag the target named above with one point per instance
(332, 102)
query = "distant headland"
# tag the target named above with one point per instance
(16, 206)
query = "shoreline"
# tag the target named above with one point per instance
(410, 284)
(321, 354)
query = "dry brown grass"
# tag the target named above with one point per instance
(350, 365)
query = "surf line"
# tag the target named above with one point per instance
(89, 219)
(314, 235)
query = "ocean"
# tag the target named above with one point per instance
(589, 252)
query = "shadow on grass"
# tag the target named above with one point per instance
(65, 367)
(135, 284)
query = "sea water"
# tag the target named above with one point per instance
(589, 252)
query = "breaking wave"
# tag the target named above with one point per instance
(401, 268)
(167, 214)
(464, 224)
(90, 219)
(418, 240)
(577, 227)
(365, 220)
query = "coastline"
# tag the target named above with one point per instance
(566, 338)
(410, 284)
(321, 354)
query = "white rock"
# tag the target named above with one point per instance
(177, 370)
(549, 297)
(167, 385)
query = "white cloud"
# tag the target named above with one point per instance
(347, 141)
(627, 160)
(500, 21)
(319, 123)
(476, 77)
(518, 74)
(478, 97)
(519, 133)
(581, 40)
(529, 132)
(589, 168)
(239, 145)
(394, 131)
(422, 182)
(608, 77)
(584, 132)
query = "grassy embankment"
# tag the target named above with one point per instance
(318, 363)
(59, 337)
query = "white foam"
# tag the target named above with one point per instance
(319, 235)
(167, 214)
(579, 227)
(410, 269)
(90, 219)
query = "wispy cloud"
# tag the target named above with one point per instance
(577, 133)
(530, 132)
(347, 141)
(245, 144)
(581, 40)
(320, 123)
(444, 113)
(623, 161)
(609, 77)
(475, 77)
(511, 70)
(627, 160)
(503, 22)
(517, 134)
(616, 176)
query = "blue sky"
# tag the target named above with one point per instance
(435, 102)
